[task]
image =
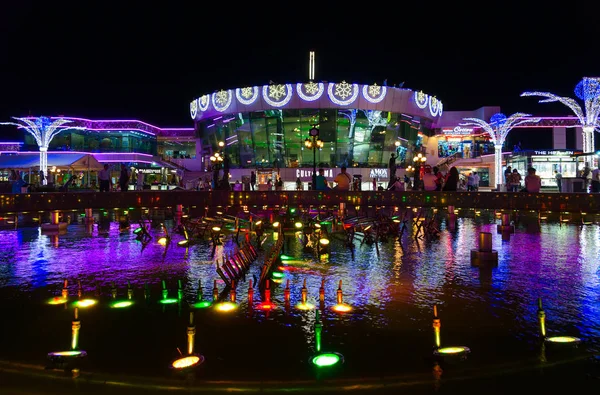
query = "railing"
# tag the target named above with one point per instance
(574, 202)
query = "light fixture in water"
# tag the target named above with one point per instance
(187, 362)
(216, 228)
(277, 275)
(121, 304)
(57, 300)
(183, 242)
(168, 301)
(203, 304)
(327, 359)
(324, 242)
(267, 306)
(275, 224)
(72, 353)
(84, 303)
(305, 306)
(341, 308)
(162, 241)
(298, 225)
(563, 339)
(456, 350)
(226, 307)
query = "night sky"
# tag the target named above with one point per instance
(129, 59)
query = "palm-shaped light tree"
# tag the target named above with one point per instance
(588, 90)
(43, 129)
(498, 128)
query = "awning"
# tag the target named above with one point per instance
(28, 160)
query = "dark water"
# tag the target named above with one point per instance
(389, 331)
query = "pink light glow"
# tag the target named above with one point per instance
(119, 120)
(120, 161)
(76, 152)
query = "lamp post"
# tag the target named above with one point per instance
(418, 160)
(216, 160)
(314, 142)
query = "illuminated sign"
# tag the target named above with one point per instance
(150, 171)
(378, 173)
(308, 173)
(457, 130)
(554, 153)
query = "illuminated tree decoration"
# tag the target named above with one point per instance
(43, 129)
(374, 93)
(247, 95)
(434, 106)
(343, 93)
(277, 95)
(421, 99)
(194, 108)
(221, 100)
(498, 128)
(203, 102)
(588, 90)
(313, 90)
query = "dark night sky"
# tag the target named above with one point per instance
(130, 59)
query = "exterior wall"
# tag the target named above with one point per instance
(559, 137)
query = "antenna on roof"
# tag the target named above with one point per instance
(311, 65)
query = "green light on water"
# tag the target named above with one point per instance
(121, 304)
(325, 360)
(138, 230)
(325, 223)
(277, 275)
(285, 257)
(168, 301)
(202, 304)
(292, 210)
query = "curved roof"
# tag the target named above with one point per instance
(338, 95)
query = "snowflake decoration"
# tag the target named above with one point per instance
(343, 90)
(247, 95)
(221, 100)
(277, 95)
(374, 93)
(194, 108)
(313, 91)
(247, 92)
(343, 93)
(421, 99)
(203, 102)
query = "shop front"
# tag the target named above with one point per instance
(464, 142)
(546, 163)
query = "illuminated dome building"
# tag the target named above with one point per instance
(360, 126)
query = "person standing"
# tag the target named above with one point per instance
(515, 181)
(392, 166)
(470, 182)
(533, 182)
(451, 183)
(124, 178)
(429, 180)
(342, 180)
(558, 178)
(507, 176)
(252, 179)
(475, 181)
(104, 178)
(596, 179)
(140, 180)
(321, 181)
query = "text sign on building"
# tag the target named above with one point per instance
(307, 174)
(554, 153)
(378, 173)
(149, 171)
(457, 130)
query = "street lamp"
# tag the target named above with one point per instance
(314, 142)
(419, 160)
(216, 160)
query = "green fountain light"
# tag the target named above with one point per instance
(203, 304)
(277, 274)
(168, 301)
(326, 360)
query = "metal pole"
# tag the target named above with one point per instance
(314, 177)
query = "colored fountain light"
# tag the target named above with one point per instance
(324, 242)
(72, 353)
(326, 359)
(216, 229)
(456, 350)
(226, 307)
(305, 306)
(182, 242)
(121, 304)
(298, 225)
(203, 304)
(277, 275)
(267, 306)
(275, 224)
(341, 308)
(187, 362)
(168, 301)
(162, 241)
(138, 230)
(57, 300)
(84, 303)
(563, 339)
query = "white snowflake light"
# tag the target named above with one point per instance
(343, 93)
(194, 108)
(313, 90)
(374, 93)
(203, 102)
(247, 95)
(434, 106)
(421, 99)
(221, 100)
(277, 95)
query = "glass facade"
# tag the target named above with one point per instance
(97, 141)
(275, 138)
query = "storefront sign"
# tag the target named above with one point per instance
(307, 174)
(554, 153)
(150, 171)
(457, 130)
(378, 173)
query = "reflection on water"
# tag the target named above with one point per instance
(491, 310)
